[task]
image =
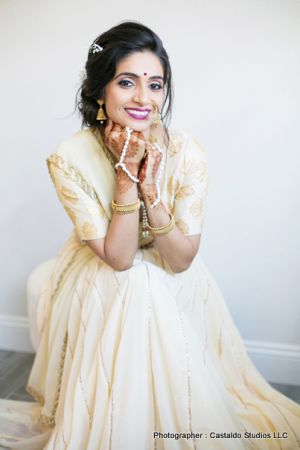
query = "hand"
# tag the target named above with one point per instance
(115, 137)
(148, 173)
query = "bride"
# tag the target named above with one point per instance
(137, 348)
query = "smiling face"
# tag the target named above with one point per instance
(136, 87)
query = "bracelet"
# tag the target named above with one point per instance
(125, 209)
(165, 229)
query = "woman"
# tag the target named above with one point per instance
(138, 350)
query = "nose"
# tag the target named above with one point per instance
(141, 95)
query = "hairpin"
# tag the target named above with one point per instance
(95, 48)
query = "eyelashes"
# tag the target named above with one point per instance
(154, 86)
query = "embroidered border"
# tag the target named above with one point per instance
(71, 173)
(50, 420)
(35, 394)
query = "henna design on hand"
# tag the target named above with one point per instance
(158, 157)
(133, 147)
(143, 168)
(115, 137)
(123, 181)
(151, 193)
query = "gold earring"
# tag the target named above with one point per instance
(157, 119)
(101, 114)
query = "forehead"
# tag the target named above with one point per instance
(141, 62)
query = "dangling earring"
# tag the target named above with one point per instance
(157, 119)
(101, 114)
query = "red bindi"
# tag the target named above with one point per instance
(145, 73)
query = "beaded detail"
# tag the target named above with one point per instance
(71, 173)
(35, 394)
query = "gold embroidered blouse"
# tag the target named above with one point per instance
(83, 175)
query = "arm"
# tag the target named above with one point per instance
(175, 247)
(119, 246)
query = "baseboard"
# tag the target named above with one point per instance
(14, 334)
(278, 363)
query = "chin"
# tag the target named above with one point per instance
(138, 126)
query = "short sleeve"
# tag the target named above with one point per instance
(79, 201)
(191, 189)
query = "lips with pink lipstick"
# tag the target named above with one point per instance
(138, 113)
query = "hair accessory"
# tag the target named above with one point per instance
(101, 114)
(95, 48)
(165, 229)
(122, 157)
(127, 208)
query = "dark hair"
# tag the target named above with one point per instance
(117, 43)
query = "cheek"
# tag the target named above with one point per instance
(160, 99)
(115, 101)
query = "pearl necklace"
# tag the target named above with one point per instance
(132, 177)
(123, 154)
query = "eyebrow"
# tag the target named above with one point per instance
(134, 75)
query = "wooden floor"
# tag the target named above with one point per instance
(15, 368)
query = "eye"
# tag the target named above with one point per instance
(155, 86)
(123, 83)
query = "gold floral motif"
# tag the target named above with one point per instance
(173, 185)
(173, 149)
(197, 169)
(68, 194)
(175, 144)
(184, 191)
(170, 185)
(183, 227)
(196, 208)
(89, 230)
(71, 173)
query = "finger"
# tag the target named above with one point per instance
(156, 164)
(107, 130)
(143, 169)
(117, 128)
(151, 151)
(139, 135)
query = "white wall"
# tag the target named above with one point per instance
(236, 71)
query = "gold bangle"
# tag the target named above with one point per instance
(125, 209)
(165, 229)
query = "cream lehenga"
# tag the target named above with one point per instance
(125, 355)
